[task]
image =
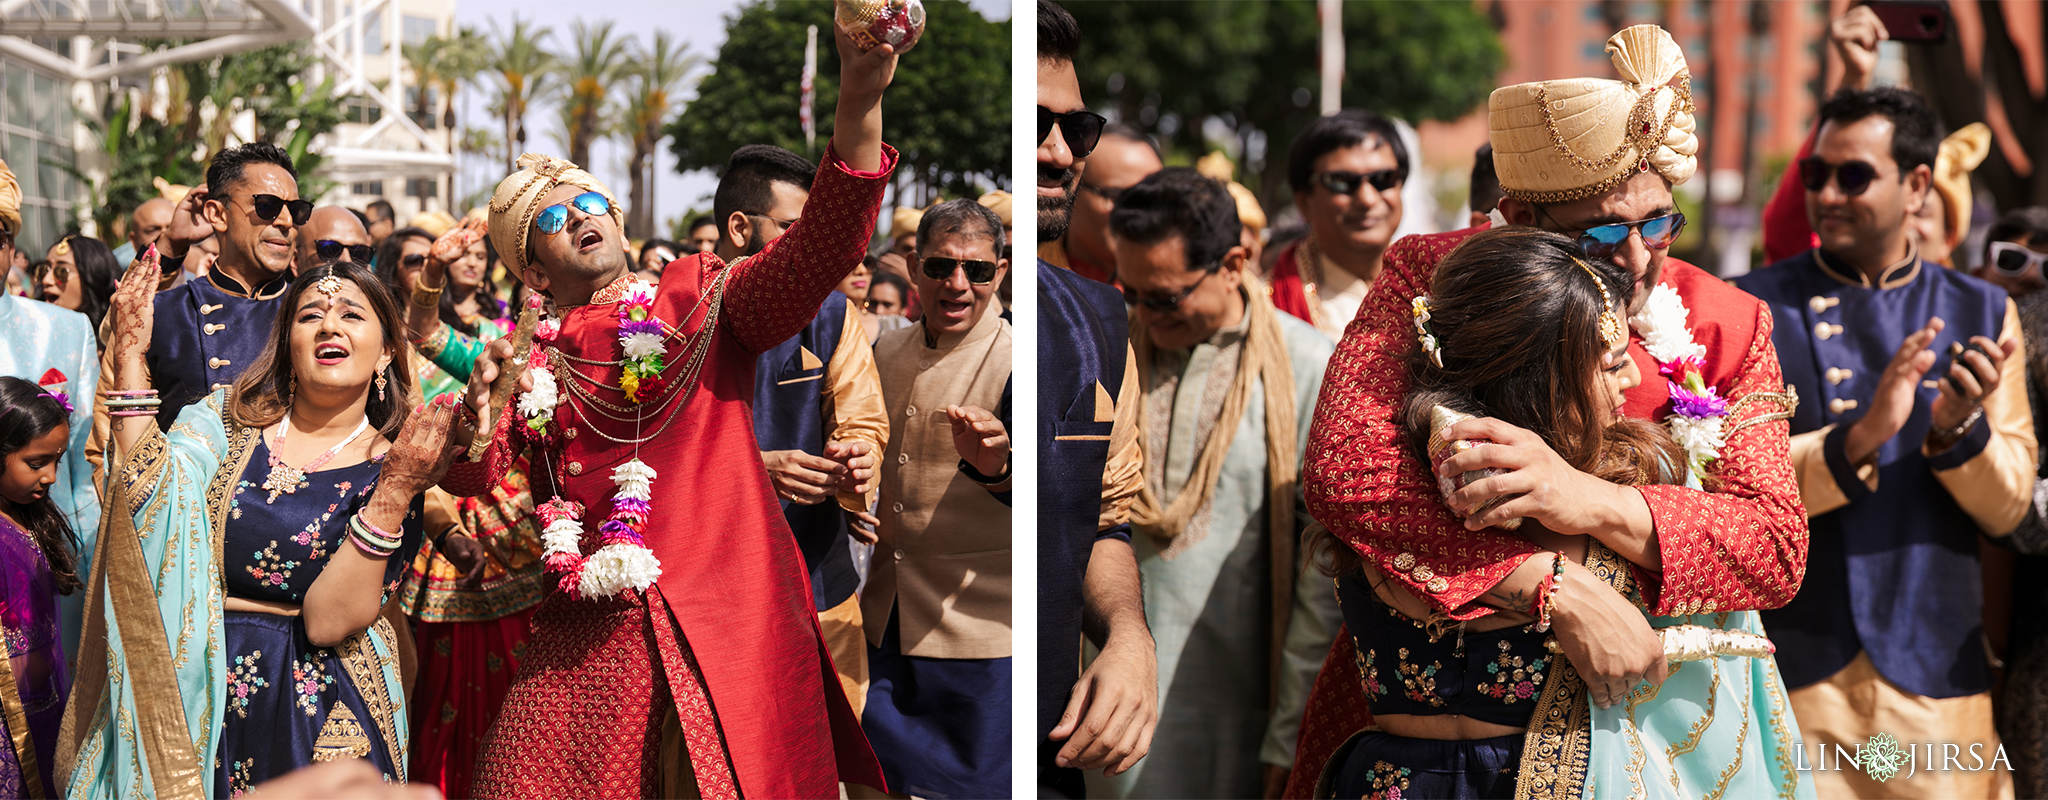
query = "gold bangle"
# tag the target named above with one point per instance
(425, 297)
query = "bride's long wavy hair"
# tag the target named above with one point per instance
(1516, 316)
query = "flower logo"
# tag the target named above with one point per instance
(1882, 757)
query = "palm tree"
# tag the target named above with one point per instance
(524, 70)
(588, 73)
(657, 72)
(425, 60)
(462, 58)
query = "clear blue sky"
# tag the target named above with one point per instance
(700, 24)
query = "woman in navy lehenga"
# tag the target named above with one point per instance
(296, 491)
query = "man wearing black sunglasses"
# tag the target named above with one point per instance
(1347, 170)
(1208, 341)
(1741, 546)
(209, 329)
(1914, 372)
(333, 233)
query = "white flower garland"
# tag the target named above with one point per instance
(1698, 412)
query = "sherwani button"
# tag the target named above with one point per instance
(575, 467)
(910, 411)
(898, 508)
(1404, 562)
(217, 363)
(212, 328)
(902, 458)
(1422, 574)
(1438, 586)
(1836, 375)
(1824, 331)
(1839, 405)
(208, 309)
(1819, 304)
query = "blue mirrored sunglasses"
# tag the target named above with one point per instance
(1658, 233)
(554, 218)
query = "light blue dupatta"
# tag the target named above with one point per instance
(1716, 728)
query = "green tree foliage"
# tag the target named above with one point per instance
(947, 114)
(596, 62)
(203, 100)
(1170, 67)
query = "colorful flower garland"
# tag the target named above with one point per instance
(1698, 412)
(622, 560)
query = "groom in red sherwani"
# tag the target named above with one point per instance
(714, 681)
(1593, 159)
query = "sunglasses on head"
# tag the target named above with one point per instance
(329, 249)
(1341, 182)
(1165, 303)
(554, 218)
(1854, 177)
(267, 207)
(2013, 259)
(1600, 241)
(978, 272)
(1081, 129)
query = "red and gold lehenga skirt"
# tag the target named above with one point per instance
(471, 639)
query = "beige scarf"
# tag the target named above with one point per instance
(1263, 361)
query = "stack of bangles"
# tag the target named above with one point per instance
(132, 403)
(425, 296)
(373, 541)
(1546, 593)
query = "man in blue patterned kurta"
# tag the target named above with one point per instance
(42, 337)
(1901, 463)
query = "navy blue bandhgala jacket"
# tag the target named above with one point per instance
(206, 332)
(788, 415)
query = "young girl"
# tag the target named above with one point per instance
(1520, 328)
(37, 562)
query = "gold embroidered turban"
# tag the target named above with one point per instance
(1960, 154)
(10, 202)
(1218, 167)
(1564, 140)
(999, 202)
(904, 221)
(518, 197)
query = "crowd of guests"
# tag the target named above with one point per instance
(267, 396)
(1344, 596)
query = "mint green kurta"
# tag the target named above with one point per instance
(1207, 604)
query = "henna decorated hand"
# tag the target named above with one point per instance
(421, 454)
(134, 311)
(448, 249)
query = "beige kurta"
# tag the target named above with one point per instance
(943, 562)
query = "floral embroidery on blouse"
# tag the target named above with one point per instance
(1512, 680)
(270, 568)
(1420, 680)
(1368, 670)
(1388, 781)
(239, 779)
(244, 680)
(309, 678)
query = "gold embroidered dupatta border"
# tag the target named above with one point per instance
(161, 730)
(17, 728)
(1558, 747)
(365, 668)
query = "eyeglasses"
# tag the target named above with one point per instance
(1165, 304)
(62, 272)
(978, 272)
(1341, 182)
(1854, 177)
(554, 218)
(2013, 259)
(413, 261)
(329, 249)
(267, 207)
(1600, 241)
(785, 223)
(1081, 129)
(1112, 195)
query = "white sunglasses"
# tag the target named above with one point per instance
(2014, 259)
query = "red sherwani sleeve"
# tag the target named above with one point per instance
(772, 296)
(1360, 480)
(1743, 545)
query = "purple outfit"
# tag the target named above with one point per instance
(28, 619)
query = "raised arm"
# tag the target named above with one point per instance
(774, 294)
(134, 310)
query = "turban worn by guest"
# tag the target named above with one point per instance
(1564, 140)
(1250, 214)
(10, 201)
(904, 222)
(518, 199)
(997, 201)
(1960, 154)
